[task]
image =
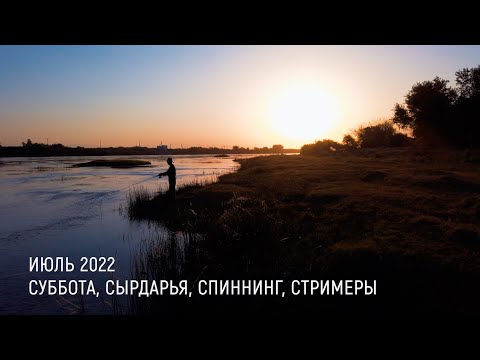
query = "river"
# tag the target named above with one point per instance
(48, 208)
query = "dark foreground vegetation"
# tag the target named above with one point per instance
(408, 218)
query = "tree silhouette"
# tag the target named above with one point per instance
(28, 143)
(350, 142)
(467, 114)
(320, 147)
(277, 148)
(428, 111)
(381, 134)
(468, 82)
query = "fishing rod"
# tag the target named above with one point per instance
(126, 187)
(96, 196)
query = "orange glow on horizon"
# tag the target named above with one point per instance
(303, 113)
(209, 96)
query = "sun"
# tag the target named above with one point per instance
(303, 113)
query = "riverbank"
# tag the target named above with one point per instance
(44, 150)
(407, 218)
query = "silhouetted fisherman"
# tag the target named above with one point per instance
(171, 173)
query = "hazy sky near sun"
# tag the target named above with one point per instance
(208, 95)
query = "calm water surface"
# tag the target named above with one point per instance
(49, 208)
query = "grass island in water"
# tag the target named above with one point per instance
(124, 163)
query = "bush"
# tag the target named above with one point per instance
(380, 134)
(349, 142)
(324, 146)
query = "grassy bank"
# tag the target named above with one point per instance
(407, 218)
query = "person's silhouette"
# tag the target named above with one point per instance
(171, 173)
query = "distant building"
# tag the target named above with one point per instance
(162, 149)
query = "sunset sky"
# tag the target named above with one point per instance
(208, 95)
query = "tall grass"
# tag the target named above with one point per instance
(74, 307)
(141, 202)
(136, 197)
(168, 256)
(240, 244)
(199, 181)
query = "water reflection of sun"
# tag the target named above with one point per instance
(303, 113)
